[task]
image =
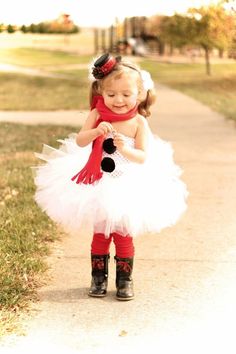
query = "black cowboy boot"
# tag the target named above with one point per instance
(124, 282)
(99, 275)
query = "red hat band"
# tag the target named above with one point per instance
(108, 66)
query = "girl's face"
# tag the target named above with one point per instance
(120, 94)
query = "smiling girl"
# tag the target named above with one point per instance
(129, 184)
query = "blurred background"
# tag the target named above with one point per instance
(189, 45)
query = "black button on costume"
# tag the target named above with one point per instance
(108, 164)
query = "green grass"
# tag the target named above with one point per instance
(22, 92)
(40, 57)
(26, 231)
(217, 91)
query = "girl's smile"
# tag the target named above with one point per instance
(120, 94)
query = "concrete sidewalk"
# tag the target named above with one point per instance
(184, 277)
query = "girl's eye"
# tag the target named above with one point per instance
(110, 95)
(126, 95)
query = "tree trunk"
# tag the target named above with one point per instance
(221, 53)
(161, 47)
(207, 61)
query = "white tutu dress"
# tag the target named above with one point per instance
(133, 199)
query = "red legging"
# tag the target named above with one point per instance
(123, 244)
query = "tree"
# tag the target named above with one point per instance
(177, 30)
(24, 29)
(33, 28)
(61, 25)
(213, 27)
(10, 29)
(208, 27)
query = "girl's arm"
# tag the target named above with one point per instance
(90, 132)
(138, 153)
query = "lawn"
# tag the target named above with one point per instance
(39, 93)
(23, 92)
(217, 91)
(40, 58)
(34, 93)
(26, 232)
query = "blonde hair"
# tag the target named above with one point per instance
(146, 97)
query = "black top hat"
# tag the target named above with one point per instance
(102, 60)
(104, 65)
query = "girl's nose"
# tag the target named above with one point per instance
(119, 99)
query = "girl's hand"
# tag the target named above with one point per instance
(119, 141)
(104, 128)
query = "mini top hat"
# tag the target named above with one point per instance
(103, 66)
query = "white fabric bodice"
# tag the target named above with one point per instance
(121, 162)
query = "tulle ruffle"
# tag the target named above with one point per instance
(145, 198)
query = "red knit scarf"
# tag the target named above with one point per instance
(92, 170)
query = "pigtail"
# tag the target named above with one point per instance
(94, 91)
(144, 106)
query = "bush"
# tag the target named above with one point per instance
(53, 27)
(10, 29)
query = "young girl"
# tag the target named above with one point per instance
(113, 175)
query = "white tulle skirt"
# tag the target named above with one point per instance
(143, 198)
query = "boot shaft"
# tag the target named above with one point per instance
(124, 268)
(99, 280)
(99, 264)
(124, 282)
